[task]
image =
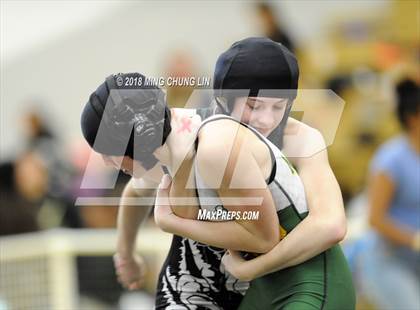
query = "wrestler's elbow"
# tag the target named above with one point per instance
(268, 240)
(265, 244)
(252, 242)
(257, 246)
(163, 223)
(268, 245)
(337, 230)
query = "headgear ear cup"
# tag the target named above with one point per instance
(132, 114)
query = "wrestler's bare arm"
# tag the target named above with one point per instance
(254, 236)
(325, 224)
(130, 268)
(325, 203)
(130, 215)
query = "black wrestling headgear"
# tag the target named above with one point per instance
(127, 117)
(253, 65)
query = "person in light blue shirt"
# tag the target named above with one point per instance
(391, 261)
(399, 160)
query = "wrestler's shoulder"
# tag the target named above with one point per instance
(219, 136)
(295, 128)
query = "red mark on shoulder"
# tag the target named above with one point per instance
(186, 124)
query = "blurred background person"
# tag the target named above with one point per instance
(36, 130)
(183, 64)
(390, 261)
(179, 64)
(271, 26)
(39, 138)
(23, 187)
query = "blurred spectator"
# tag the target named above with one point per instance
(390, 262)
(180, 64)
(36, 130)
(23, 188)
(58, 208)
(271, 26)
(40, 138)
(35, 193)
(26, 204)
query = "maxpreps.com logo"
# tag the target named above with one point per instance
(220, 213)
